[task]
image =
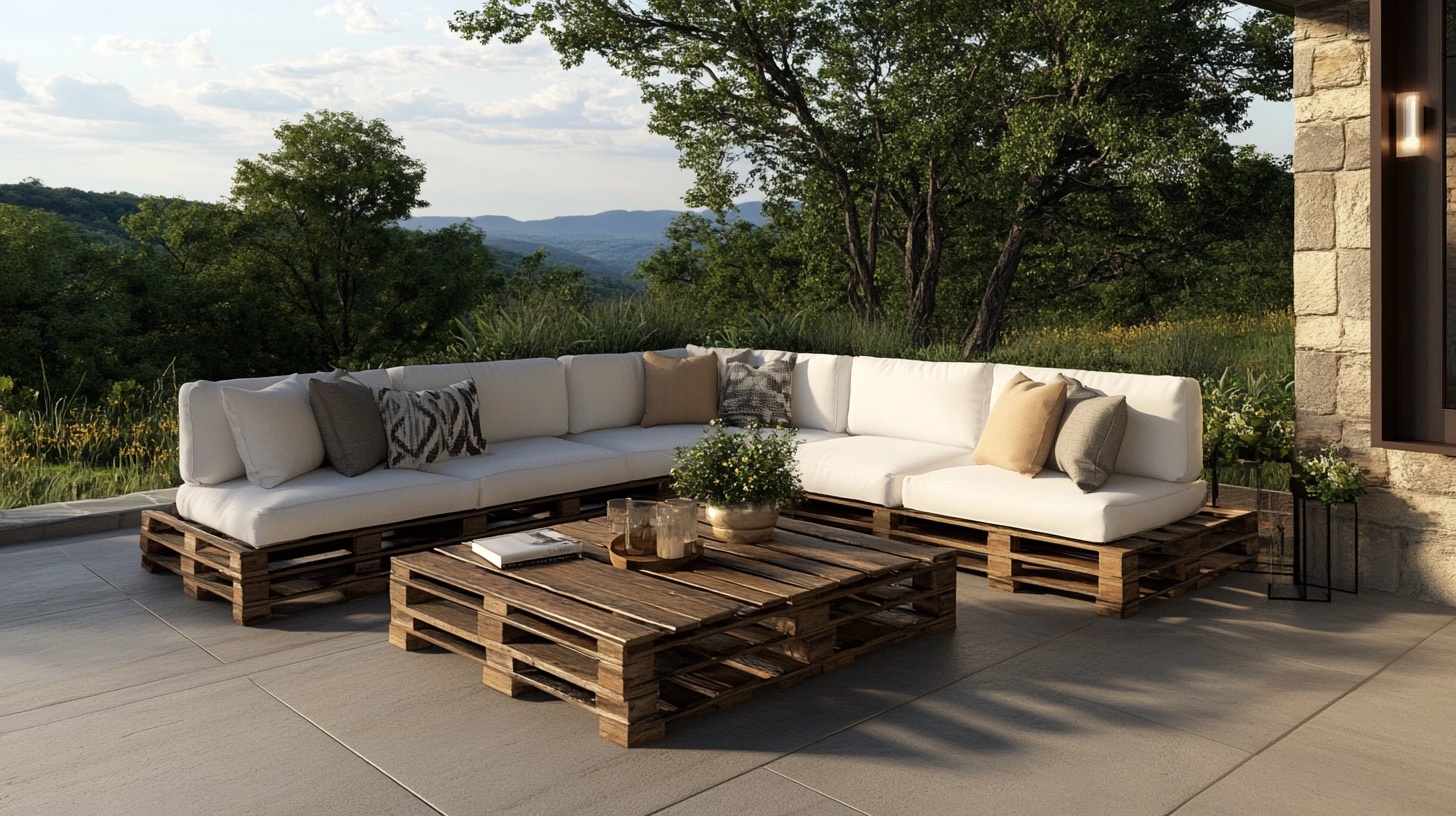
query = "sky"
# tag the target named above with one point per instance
(163, 98)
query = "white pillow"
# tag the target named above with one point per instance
(274, 429)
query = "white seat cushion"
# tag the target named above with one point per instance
(521, 469)
(649, 453)
(871, 468)
(1050, 503)
(322, 501)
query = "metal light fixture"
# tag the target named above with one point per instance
(1408, 115)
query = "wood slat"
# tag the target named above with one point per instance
(454, 572)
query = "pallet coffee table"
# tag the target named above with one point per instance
(641, 649)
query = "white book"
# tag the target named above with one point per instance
(529, 547)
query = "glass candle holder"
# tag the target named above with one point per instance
(617, 515)
(677, 528)
(640, 539)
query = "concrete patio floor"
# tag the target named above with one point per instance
(119, 695)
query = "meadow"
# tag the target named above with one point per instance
(62, 448)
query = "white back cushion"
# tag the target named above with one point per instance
(207, 453)
(820, 396)
(518, 398)
(1164, 438)
(944, 403)
(604, 390)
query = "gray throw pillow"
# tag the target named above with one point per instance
(758, 395)
(349, 423)
(422, 427)
(1089, 436)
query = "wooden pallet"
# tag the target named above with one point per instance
(1118, 576)
(640, 649)
(338, 566)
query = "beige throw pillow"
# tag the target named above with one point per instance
(1089, 436)
(679, 391)
(1022, 425)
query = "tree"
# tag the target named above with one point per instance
(920, 123)
(729, 268)
(315, 220)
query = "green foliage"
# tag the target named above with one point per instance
(95, 217)
(1328, 476)
(754, 466)
(66, 448)
(534, 329)
(1248, 418)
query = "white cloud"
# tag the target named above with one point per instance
(360, 17)
(10, 81)
(406, 60)
(107, 101)
(194, 51)
(250, 98)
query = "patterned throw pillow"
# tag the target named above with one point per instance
(759, 394)
(430, 426)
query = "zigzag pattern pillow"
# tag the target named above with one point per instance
(422, 427)
(757, 395)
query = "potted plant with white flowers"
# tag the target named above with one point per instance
(743, 478)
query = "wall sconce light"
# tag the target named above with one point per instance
(1408, 116)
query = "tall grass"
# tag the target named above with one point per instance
(67, 448)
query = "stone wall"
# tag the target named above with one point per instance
(1408, 522)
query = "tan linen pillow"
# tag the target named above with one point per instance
(679, 391)
(1022, 425)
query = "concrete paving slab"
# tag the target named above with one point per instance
(1190, 680)
(116, 559)
(416, 714)
(1355, 633)
(42, 581)
(224, 749)
(61, 656)
(1387, 747)
(210, 625)
(1005, 747)
(761, 793)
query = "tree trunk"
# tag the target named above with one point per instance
(985, 332)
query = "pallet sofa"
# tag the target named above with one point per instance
(887, 445)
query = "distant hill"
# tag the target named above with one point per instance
(95, 216)
(608, 245)
(617, 240)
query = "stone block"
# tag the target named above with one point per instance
(1352, 268)
(1416, 475)
(1357, 144)
(1315, 373)
(1317, 21)
(1352, 209)
(1314, 211)
(1339, 64)
(1353, 386)
(1372, 461)
(1331, 104)
(1317, 332)
(1355, 334)
(1319, 146)
(1316, 288)
(1313, 431)
(1303, 67)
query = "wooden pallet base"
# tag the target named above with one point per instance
(642, 650)
(340, 566)
(1119, 576)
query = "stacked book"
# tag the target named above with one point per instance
(526, 548)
